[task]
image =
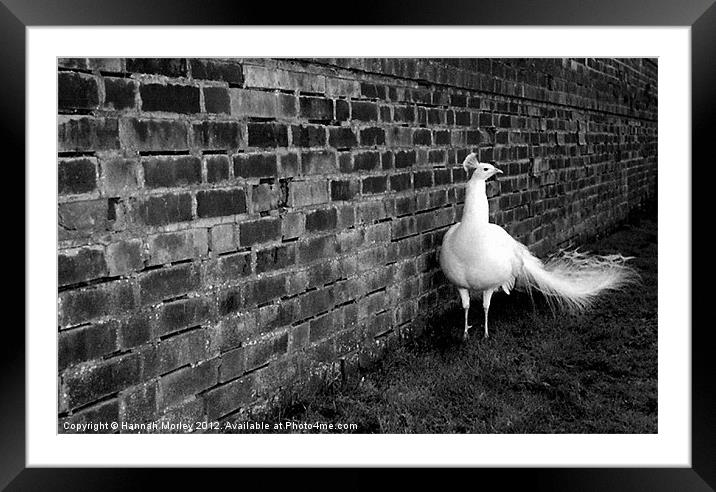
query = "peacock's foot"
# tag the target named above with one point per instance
(465, 335)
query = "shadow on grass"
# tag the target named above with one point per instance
(537, 373)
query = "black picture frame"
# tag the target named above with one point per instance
(700, 15)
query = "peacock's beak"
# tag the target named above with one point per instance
(498, 171)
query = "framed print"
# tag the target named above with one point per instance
(284, 244)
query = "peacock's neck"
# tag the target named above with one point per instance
(477, 210)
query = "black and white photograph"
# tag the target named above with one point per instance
(357, 245)
(430, 237)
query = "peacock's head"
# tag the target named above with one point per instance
(483, 170)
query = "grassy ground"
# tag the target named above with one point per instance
(537, 373)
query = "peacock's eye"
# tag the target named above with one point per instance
(485, 168)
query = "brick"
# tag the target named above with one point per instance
(77, 63)
(120, 94)
(387, 160)
(372, 136)
(292, 225)
(321, 220)
(222, 238)
(308, 135)
(119, 176)
(404, 114)
(458, 100)
(113, 65)
(422, 136)
(88, 303)
(485, 119)
(343, 110)
(262, 104)
(170, 98)
(367, 161)
(264, 198)
(404, 158)
(298, 337)
(258, 354)
(259, 231)
(423, 179)
(348, 241)
(442, 176)
(364, 111)
(217, 135)
(303, 193)
(77, 91)
(165, 209)
(138, 405)
(403, 227)
(217, 100)
(153, 135)
(219, 203)
(374, 184)
(171, 171)
(274, 78)
(314, 108)
(231, 300)
(399, 136)
(87, 134)
(372, 211)
(323, 273)
(275, 258)
(104, 412)
(318, 247)
(217, 168)
(318, 162)
(233, 364)
(346, 216)
(84, 384)
(400, 182)
(324, 326)
(229, 397)
(86, 343)
(166, 283)
(265, 290)
(267, 135)
(232, 267)
(135, 330)
(172, 67)
(83, 218)
(373, 91)
(342, 87)
(372, 304)
(342, 138)
(176, 246)
(378, 233)
(315, 302)
(76, 176)
(230, 72)
(79, 265)
(344, 189)
(124, 257)
(289, 166)
(172, 353)
(255, 165)
(187, 382)
(437, 156)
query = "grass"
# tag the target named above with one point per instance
(537, 373)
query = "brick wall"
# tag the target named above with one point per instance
(226, 227)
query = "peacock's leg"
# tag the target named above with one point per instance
(465, 298)
(486, 296)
